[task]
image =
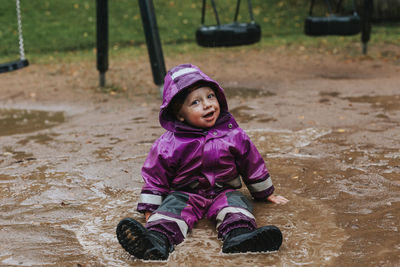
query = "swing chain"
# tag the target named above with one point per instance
(216, 12)
(21, 40)
(330, 9)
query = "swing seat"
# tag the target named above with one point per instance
(332, 25)
(232, 34)
(13, 65)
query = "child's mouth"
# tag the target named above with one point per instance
(209, 115)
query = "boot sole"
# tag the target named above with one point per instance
(267, 238)
(129, 233)
(155, 254)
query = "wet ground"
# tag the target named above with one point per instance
(328, 129)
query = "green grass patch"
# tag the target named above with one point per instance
(66, 30)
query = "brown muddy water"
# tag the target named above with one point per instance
(67, 178)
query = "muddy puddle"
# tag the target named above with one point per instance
(17, 121)
(387, 103)
(243, 92)
(65, 184)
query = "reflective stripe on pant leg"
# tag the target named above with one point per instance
(167, 217)
(181, 223)
(231, 210)
(177, 214)
(221, 215)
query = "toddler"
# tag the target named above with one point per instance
(193, 170)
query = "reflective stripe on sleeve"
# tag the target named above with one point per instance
(261, 186)
(221, 215)
(150, 199)
(181, 223)
(235, 182)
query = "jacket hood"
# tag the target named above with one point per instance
(179, 79)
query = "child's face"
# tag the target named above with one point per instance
(200, 108)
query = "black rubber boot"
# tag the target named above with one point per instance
(141, 243)
(241, 240)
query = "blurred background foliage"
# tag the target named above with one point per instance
(57, 26)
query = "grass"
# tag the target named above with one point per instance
(59, 29)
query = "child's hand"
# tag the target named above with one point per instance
(278, 199)
(147, 215)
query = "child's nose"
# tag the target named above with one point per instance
(207, 103)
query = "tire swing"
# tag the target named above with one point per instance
(22, 62)
(333, 24)
(232, 34)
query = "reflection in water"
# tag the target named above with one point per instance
(39, 138)
(387, 103)
(17, 121)
(246, 92)
(280, 142)
(62, 209)
(244, 114)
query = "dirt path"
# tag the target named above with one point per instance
(327, 124)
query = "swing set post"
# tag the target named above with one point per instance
(102, 39)
(366, 19)
(153, 41)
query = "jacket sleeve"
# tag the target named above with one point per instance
(252, 168)
(155, 172)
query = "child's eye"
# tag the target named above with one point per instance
(195, 102)
(211, 95)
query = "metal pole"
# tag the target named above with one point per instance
(153, 41)
(366, 18)
(102, 39)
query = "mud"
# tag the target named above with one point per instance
(15, 121)
(328, 128)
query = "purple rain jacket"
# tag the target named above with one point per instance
(201, 161)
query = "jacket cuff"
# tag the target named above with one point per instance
(261, 190)
(262, 196)
(149, 202)
(142, 208)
